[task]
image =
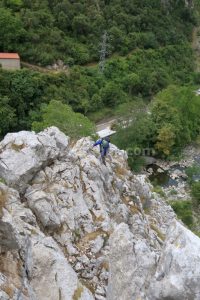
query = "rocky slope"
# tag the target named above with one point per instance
(72, 228)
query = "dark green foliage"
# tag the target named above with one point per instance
(134, 134)
(172, 122)
(183, 209)
(7, 115)
(195, 189)
(136, 163)
(176, 115)
(61, 115)
(112, 94)
(193, 172)
(11, 31)
(72, 30)
(137, 134)
(153, 39)
(23, 92)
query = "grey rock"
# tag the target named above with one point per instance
(4, 296)
(131, 265)
(52, 276)
(24, 153)
(44, 207)
(178, 272)
(149, 160)
(104, 221)
(9, 237)
(97, 244)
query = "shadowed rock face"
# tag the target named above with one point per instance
(72, 228)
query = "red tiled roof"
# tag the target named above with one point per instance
(9, 56)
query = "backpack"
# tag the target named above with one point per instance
(104, 144)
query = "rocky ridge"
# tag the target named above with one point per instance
(72, 228)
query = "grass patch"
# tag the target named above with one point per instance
(157, 189)
(133, 208)
(3, 199)
(173, 192)
(196, 233)
(78, 292)
(159, 233)
(8, 290)
(183, 209)
(84, 241)
(89, 285)
(120, 171)
(17, 148)
(2, 180)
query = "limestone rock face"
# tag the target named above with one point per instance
(24, 153)
(131, 264)
(178, 271)
(52, 277)
(72, 228)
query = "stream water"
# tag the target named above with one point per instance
(163, 178)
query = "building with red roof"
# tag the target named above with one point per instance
(10, 61)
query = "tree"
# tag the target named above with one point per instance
(112, 94)
(176, 114)
(14, 4)
(81, 25)
(7, 116)
(135, 130)
(61, 115)
(11, 30)
(131, 83)
(165, 139)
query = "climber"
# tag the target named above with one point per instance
(104, 144)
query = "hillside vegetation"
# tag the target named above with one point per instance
(44, 31)
(148, 50)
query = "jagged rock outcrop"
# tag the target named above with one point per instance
(72, 228)
(23, 154)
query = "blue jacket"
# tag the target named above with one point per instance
(103, 150)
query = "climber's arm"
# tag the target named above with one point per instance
(97, 143)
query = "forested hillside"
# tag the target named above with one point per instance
(47, 30)
(148, 48)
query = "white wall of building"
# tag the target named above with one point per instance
(10, 64)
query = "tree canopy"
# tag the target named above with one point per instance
(61, 115)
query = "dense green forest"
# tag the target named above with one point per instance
(149, 62)
(47, 30)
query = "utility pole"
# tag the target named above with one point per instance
(166, 5)
(103, 52)
(189, 3)
(97, 5)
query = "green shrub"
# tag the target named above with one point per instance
(159, 190)
(173, 192)
(183, 209)
(192, 171)
(61, 115)
(136, 163)
(196, 191)
(176, 114)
